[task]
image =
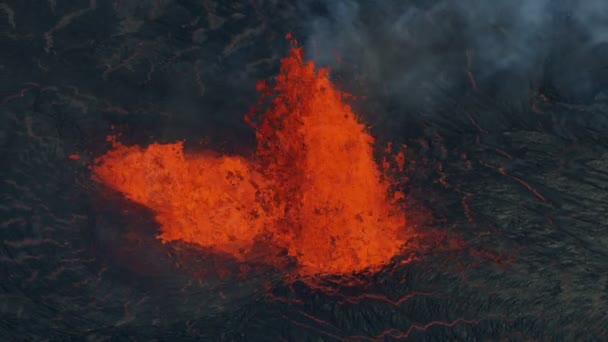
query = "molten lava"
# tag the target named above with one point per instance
(312, 188)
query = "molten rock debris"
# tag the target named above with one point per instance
(312, 187)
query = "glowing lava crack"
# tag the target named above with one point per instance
(312, 188)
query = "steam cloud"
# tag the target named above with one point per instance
(400, 46)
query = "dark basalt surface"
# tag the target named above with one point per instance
(507, 124)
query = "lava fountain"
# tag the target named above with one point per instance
(312, 188)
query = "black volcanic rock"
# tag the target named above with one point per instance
(513, 168)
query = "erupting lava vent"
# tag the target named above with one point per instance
(312, 188)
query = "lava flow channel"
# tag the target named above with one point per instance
(312, 188)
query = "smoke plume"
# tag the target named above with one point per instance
(409, 51)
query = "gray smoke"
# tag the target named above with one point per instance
(408, 49)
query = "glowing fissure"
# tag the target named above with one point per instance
(312, 188)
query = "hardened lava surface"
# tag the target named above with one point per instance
(505, 177)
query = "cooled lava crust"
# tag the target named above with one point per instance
(493, 189)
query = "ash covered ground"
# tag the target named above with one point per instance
(503, 108)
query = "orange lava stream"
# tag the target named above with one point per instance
(313, 187)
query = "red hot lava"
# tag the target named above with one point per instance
(312, 187)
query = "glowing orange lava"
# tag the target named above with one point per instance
(312, 187)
